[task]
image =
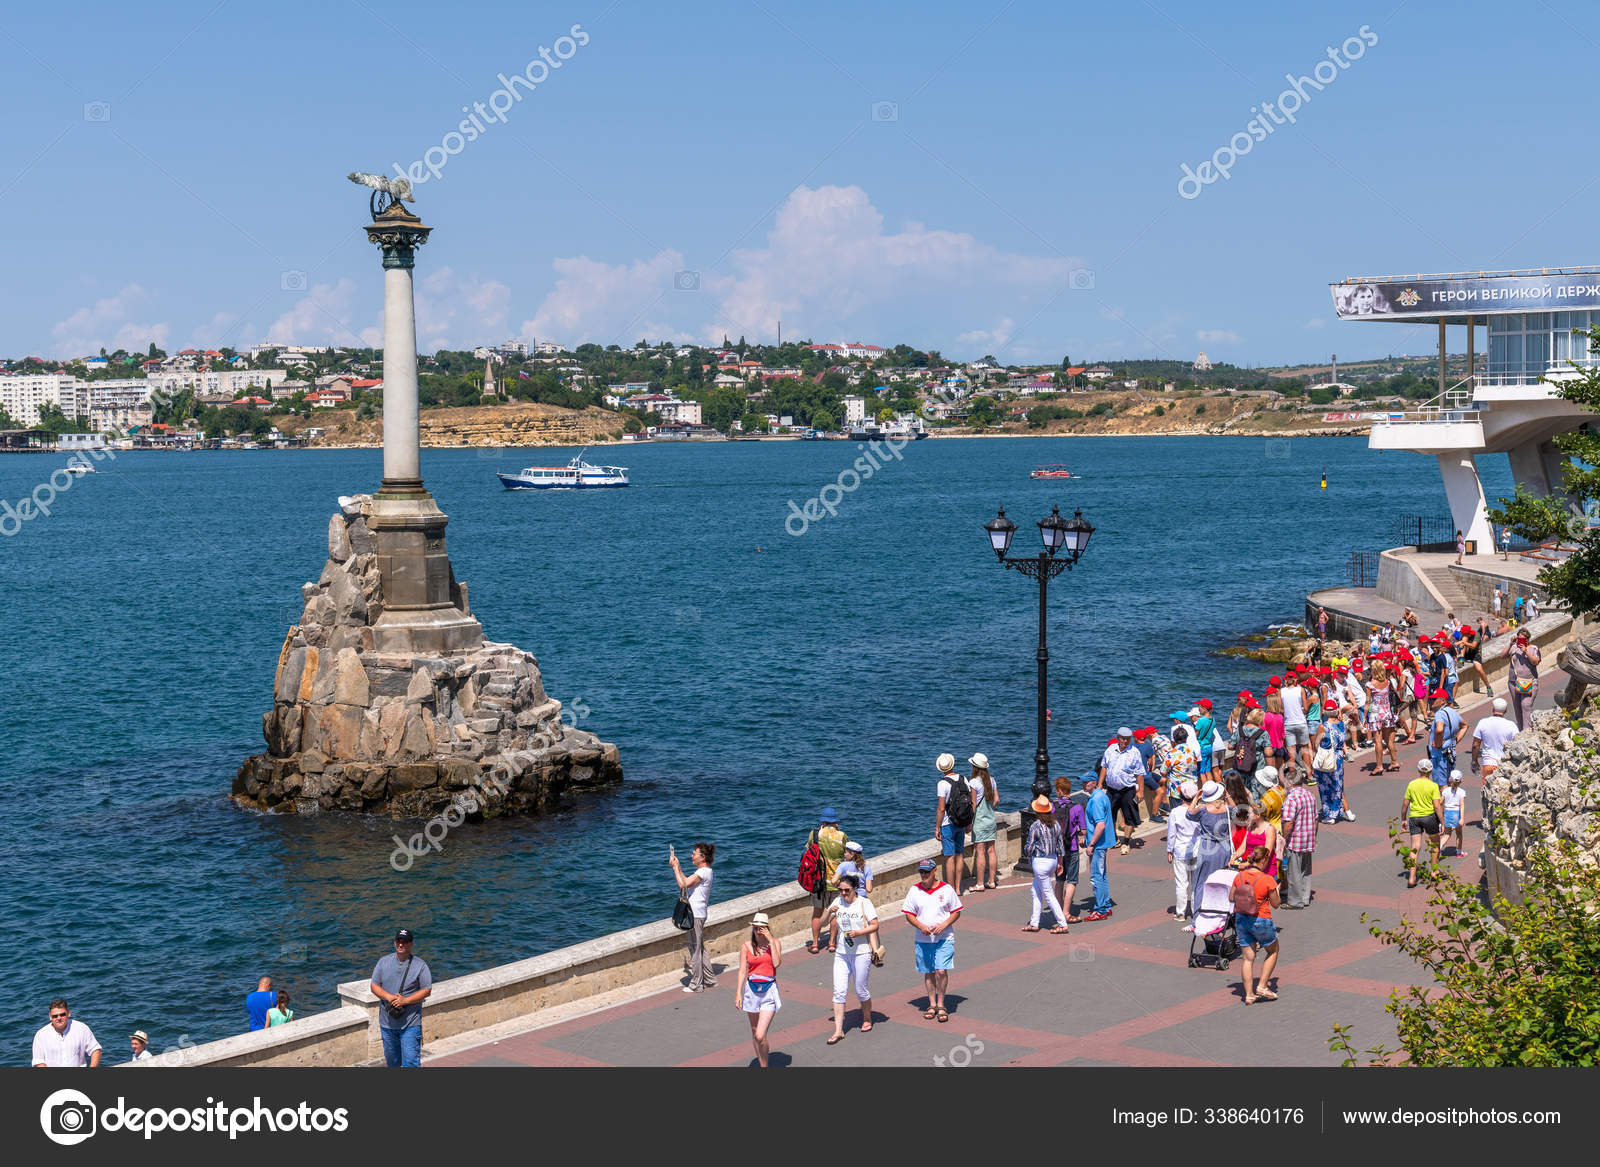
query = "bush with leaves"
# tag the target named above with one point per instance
(1509, 984)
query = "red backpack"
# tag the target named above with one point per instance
(811, 865)
(1244, 892)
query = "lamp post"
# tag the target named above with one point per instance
(1064, 541)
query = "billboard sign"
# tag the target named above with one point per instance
(1478, 295)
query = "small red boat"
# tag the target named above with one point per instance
(1052, 471)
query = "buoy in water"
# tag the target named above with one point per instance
(1324, 480)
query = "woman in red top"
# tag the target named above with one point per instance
(757, 996)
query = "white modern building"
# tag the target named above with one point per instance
(24, 395)
(855, 410)
(1533, 322)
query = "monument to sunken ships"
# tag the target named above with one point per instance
(388, 698)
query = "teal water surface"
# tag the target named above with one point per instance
(748, 675)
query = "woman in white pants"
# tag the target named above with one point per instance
(854, 926)
(1046, 849)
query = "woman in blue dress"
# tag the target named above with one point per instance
(1213, 837)
(1330, 783)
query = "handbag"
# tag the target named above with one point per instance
(682, 914)
(1325, 759)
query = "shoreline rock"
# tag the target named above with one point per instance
(356, 730)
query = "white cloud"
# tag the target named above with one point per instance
(828, 269)
(221, 330)
(107, 324)
(990, 339)
(1216, 336)
(321, 315)
(600, 302)
(459, 313)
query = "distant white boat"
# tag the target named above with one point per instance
(575, 475)
(79, 469)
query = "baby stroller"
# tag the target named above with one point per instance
(1213, 922)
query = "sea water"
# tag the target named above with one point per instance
(752, 667)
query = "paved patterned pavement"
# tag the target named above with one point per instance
(1117, 992)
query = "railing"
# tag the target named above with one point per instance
(1361, 569)
(1431, 417)
(1425, 532)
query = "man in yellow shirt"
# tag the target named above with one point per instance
(1272, 803)
(1420, 809)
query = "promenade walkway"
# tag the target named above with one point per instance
(1118, 992)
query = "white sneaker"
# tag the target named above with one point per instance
(1349, 816)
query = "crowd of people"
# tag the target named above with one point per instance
(1244, 793)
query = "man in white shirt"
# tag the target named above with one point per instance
(931, 908)
(1490, 738)
(1123, 769)
(64, 1043)
(139, 1043)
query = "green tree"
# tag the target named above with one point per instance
(823, 420)
(754, 423)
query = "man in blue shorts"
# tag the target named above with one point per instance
(931, 907)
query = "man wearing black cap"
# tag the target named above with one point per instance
(401, 981)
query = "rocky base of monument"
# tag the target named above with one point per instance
(1538, 792)
(402, 734)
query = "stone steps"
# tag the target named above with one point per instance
(1444, 583)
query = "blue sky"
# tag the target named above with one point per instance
(977, 178)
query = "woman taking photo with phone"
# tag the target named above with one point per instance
(696, 889)
(757, 996)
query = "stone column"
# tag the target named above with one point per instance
(402, 460)
(421, 609)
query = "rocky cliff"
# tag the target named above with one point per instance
(493, 426)
(404, 734)
(1546, 785)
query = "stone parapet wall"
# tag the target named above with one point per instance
(518, 991)
(1479, 585)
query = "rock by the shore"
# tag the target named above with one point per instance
(398, 733)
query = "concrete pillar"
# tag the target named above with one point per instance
(1468, 509)
(402, 463)
(1537, 466)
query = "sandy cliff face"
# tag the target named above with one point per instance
(521, 424)
(1134, 414)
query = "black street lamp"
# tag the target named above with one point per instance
(1064, 541)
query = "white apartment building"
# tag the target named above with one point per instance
(23, 395)
(855, 410)
(228, 383)
(679, 411)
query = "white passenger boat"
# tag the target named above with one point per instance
(79, 469)
(575, 475)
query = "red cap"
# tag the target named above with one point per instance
(1275, 680)
(1204, 703)
(1437, 693)
(1271, 689)
(1140, 734)
(1330, 706)
(1245, 694)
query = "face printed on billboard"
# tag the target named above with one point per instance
(1478, 295)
